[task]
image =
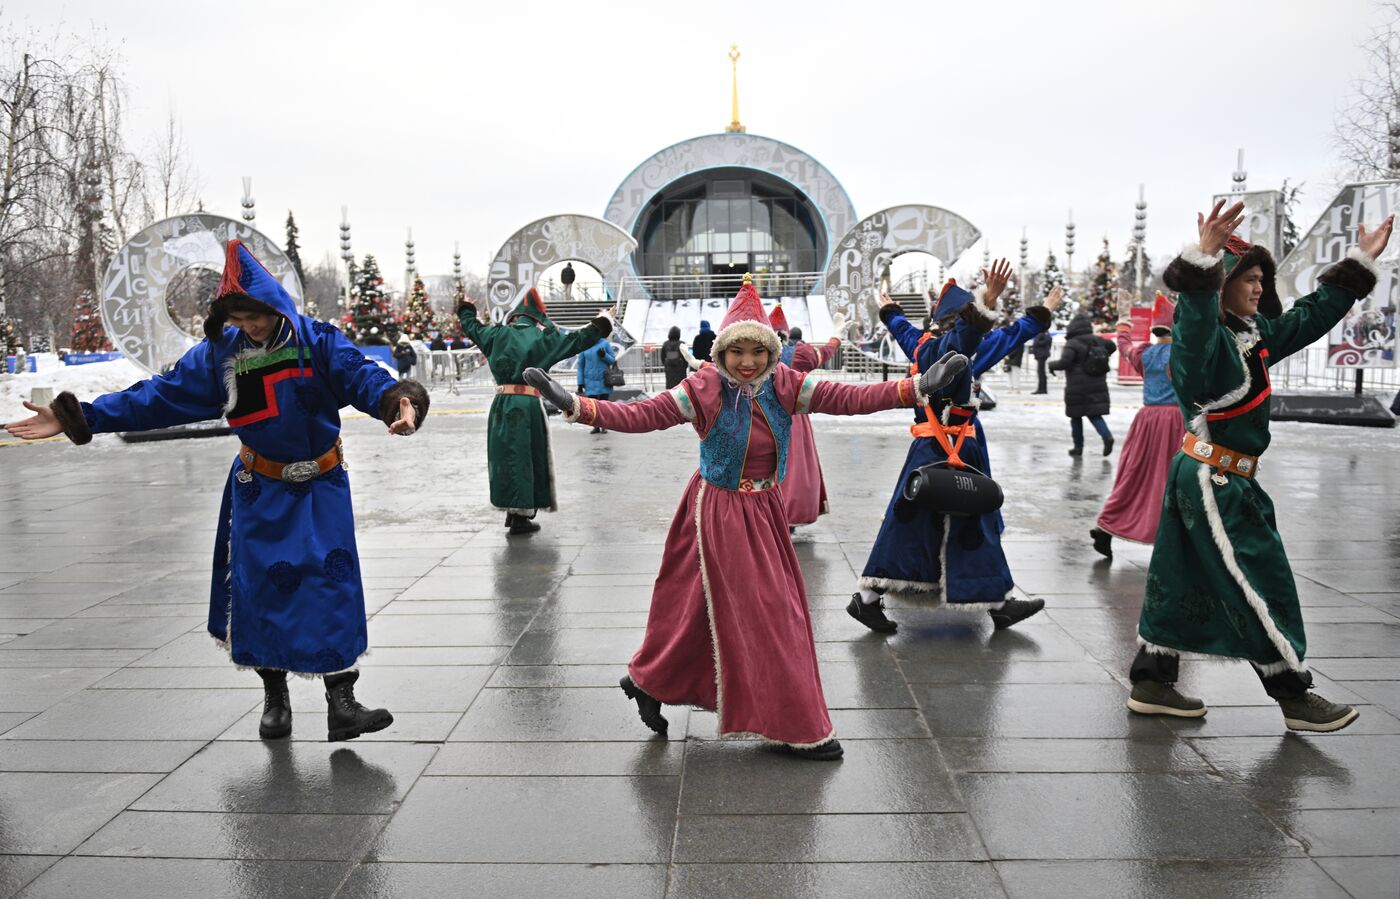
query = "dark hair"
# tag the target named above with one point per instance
(241, 302)
(674, 333)
(795, 335)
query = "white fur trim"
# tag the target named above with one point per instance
(549, 455)
(709, 605)
(1365, 259)
(571, 415)
(758, 332)
(1192, 254)
(1275, 668)
(822, 742)
(985, 313)
(1232, 565)
(1157, 650)
(896, 586)
(1199, 425)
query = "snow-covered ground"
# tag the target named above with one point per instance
(85, 381)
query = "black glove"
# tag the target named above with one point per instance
(551, 390)
(466, 307)
(942, 373)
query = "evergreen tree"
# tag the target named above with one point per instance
(294, 254)
(1103, 287)
(1291, 234)
(1127, 277)
(417, 319)
(369, 306)
(88, 334)
(1050, 278)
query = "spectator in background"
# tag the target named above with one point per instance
(1040, 349)
(673, 359)
(704, 341)
(1013, 365)
(1084, 361)
(459, 342)
(567, 278)
(592, 363)
(404, 356)
(438, 345)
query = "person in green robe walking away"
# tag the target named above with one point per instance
(1219, 583)
(518, 458)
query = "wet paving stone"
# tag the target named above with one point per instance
(51, 813)
(505, 881)
(1282, 878)
(798, 881)
(826, 838)
(254, 835)
(216, 879)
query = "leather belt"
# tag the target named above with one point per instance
(1223, 459)
(521, 389)
(291, 472)
(929, 429)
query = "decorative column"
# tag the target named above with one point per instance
(1240, 174)
(734, 127)
(1140, 235)
(347, 257)
(248, 211)
(410, 263)
(1069, 253)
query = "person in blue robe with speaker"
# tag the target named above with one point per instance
(286, 594)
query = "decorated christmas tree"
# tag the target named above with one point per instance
(369, 320)
(88, 334)
(1050, 278)
(1103, 287)
(417, 319)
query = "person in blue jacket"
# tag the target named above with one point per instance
(592, 363)
(285, 592)
(957, 561)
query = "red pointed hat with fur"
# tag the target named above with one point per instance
(1163, 314)
(777, 320)
(746, 320)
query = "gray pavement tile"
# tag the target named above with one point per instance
(67, 658)
(555, 676)
(966, 880)
(1233, 682)
(533, 819)
(1354, 831)
(1281, 878)
(1352, 580)
(610, 598)
(1004, 671)
(292, 777)
(553, 620)
(1383, 693)
(1357, 612)
(17, 627)
(207, 878)
(1355, 669)
(112, 756)
(18, 870)
(1056, 816)
(875, 776)
(203, 677)
(961, 636)
(501, 881)
(10, 720)
(459, 606)
(187, 650)
(878, 724)
(1365, 878)
(139, 715)
(545, 713)
(47, 813)
(867, 684)
(36, 689)
(1263, 721)
(290, 837)
(827, 838)
(448, 630)
(431, 656)
(634, 579)
(309, 725)
(1032, 711)
(1070, 755)
(107, 633)
(577, 646)
(105, 610)
(17, 602)
(1355, 640)
(1357, 772)
(580, 759)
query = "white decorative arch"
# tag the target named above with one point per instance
(852, 282)
(133, 306)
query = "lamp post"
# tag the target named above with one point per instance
(1069, 252)
(347, 256)
(248, 211)
(410, 263)
(1025, 262)
(1139, 235)
(1239, 174)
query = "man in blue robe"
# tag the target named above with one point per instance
(286, 592)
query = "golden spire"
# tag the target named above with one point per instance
(735, 126)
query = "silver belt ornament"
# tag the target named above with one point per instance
(292, 472)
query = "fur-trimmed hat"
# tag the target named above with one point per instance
(777, 320)
(1241, 255)
(746, 320)
(952, 299)
(247, 285)
(531, 307)
(1163, 315)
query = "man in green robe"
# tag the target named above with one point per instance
(1219, 583)
(517, 438)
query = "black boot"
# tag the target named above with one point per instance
(648, 708)
(871, 614)
(276, 721)
(1014, 610)
(346, 719)
(519, 524)
(1103, 542)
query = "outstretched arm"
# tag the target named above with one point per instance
(836, 398)
(903, 332)
(656, 413)
(357, 381)
(562, 346)
(999, 342)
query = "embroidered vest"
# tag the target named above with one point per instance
(725, 447)
(1156, 376)
(786, 355)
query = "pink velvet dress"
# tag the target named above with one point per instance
(729, 629)
(804, 491)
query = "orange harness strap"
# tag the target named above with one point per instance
(933, 428)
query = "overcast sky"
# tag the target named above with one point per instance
(466, 121)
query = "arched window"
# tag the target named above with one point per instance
(724, 222)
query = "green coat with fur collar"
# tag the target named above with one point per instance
(1219, 582)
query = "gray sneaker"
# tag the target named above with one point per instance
(1151, 698)
(1313, 713)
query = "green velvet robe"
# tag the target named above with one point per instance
(517, 437)
(1219, 582)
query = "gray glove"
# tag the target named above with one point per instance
(939, 375)
(550, 389)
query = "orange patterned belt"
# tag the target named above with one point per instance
(291, 472)
(521, 389)
(1223, 459)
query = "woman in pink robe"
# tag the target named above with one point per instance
(804, 491)
(729, 628)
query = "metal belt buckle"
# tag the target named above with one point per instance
(1219, 479)
(297, 472)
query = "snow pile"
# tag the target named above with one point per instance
(85, 381)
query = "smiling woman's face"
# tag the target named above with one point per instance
(746, 359)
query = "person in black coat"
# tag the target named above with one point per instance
(673, 359)
(1084, 361)
(700, 348)
(1040, 349)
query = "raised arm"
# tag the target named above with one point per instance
(998, 342)
(560, 346)
(479, 334)
(1310, 317)
(903, 332)
(1130, 348)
